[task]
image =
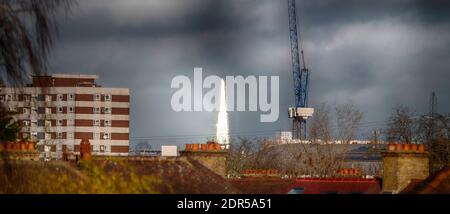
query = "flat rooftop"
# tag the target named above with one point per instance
(79, 76)
(71, 76)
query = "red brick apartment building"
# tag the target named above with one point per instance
(60, 109)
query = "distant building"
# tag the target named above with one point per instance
(61, 109)
(222, 129)
(169, 151)
(285, 137)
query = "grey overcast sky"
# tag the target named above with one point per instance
(375, 53)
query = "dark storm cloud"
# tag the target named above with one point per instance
(375, 53)
(105, 23)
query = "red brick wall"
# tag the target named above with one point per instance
(71, 82)
(120, 123)
(89, 123)
(119, 136)
(117, 149)
(81, 135)
(84, 110)
(43, 81)
(120, 98)
(121, 111)
(84, 97)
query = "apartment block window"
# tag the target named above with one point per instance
(26, 123)
(71, 97)
(102, 148)
(60, 122)
(96, 110)
(40, 123)
(69, 135)
(70, 122)
(107, 123)
(26, 110)
(96, 135)
(96, 122)
(34, 135)
(2, 98)
(48, 110)
(60, 109)
(41, 97)
(59, 97)
(9, 97)
(48, 123)
(59, 135)
(97, 97)
(107, 97)
(25, 135)
(48, 98)
(34, 97)
(107, 110)
(26, 97)
(71, 109)
(34, 110)
(41, 110)
(106, 136)
(40, 135)
(48, 136)
(13, 109)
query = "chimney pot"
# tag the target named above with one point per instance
(421, 148)
(406, 147)
(391, 147)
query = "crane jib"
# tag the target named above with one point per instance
(300, 75)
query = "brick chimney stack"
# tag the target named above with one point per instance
(401, 164)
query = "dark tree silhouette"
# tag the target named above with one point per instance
(402, 125)
(8, 127)
(27, 30)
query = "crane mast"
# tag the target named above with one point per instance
(300, 112)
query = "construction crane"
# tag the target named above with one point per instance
(437, 124)
(300, 112)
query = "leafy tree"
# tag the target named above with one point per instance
(8, 127)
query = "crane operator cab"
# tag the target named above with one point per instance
(300, 112)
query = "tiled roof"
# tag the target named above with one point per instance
(338, 185)
(262, 185)
(434, 184)
(181, 176)
(308, 185)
